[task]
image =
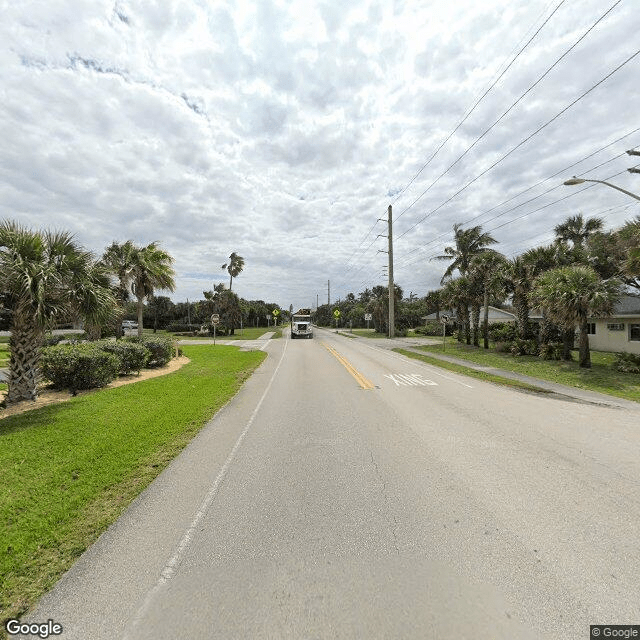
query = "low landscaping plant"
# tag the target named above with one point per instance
(161, 349)
(502, 332)
(627, 363)
(133, 356)
(551, 351)
(434, 329)
(78, 366)
(520, 347)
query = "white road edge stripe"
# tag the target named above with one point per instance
(431, 368)
(170, 567)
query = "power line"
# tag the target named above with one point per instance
(521, 143)
(473, 108)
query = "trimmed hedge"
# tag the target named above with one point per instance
(434, 329)
(133, 356)
(78, 366)
(161, 349)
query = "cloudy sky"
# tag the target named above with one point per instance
(283, 130)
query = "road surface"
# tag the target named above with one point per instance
(349, 492)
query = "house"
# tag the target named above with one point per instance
(619, 331)
(495, 315)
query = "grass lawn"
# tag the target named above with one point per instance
(365, 333)
(69, 470)
(4, 355)
(601, 377)
(247, 333)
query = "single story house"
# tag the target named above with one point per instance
(620, 331)
(495, 315)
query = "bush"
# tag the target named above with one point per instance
(51, 340)
(551, 351)
(521, 347)
(133, 356)
(627, 363)
(79, 366)
(503, 347)
(178, 327)
(502, 332)
(434, 329)
(161, 349)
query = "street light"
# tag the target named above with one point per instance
(575, 181)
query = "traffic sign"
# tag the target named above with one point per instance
(368, 316)
(276, 312)
(336, 313)
(444, 319)
(215, 319)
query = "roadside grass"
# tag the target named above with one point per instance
(4, 355)
(472, 373)
(246, 333)
(69, 470)
(366, 333)
(601, 377)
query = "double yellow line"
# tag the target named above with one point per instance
(362, 381)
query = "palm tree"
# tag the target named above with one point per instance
(488, 269)
(468, 243)
(629, 239)
(118, 258)
(572, 294)
(234, 267)
(576, 230)
(150, 269)
(455, 293)
(45, 275)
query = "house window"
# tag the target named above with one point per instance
(591, 328)
(634, 332)
(615, 327)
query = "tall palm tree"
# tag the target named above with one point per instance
(572, 294)
(576, 229)
(150, 269)
(118, 258)
(488, 274)
(468, 243)
(629, 239)
(234, 267)
(455, 293)
(44, 275)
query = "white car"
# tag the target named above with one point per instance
(129, 324)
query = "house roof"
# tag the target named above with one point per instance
(494, 314)
(627, 306)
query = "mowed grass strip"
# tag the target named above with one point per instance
(602, 377)
(472, 373)
(69, 470)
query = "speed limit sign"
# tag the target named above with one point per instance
(215, 319)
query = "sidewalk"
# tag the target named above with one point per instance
(582, 395)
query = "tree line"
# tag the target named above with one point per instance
(581, 274)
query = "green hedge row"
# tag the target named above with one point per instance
(90, 365)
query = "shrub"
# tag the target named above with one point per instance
(434, 329)
(133, 356)
(627, 363)
(178, 327)
(503, 347)
(502, 332)
(51, 340)
(79, 366)
(551, 351)
(520, 347)
(161, 349)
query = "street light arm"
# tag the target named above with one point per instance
(575, 181)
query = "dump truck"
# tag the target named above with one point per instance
(301, 326)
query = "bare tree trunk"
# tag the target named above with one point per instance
(475, 315)
(585, 354)
(24, 344)
(140, 314)
(485, 323)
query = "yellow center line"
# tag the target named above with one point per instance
(362, 381)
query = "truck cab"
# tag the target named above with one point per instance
(301, 325)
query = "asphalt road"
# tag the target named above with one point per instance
(349, 492)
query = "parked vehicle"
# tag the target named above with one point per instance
(301, 326)
(129, 325)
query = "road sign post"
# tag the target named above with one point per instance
(444, 319)
(215, 319)
(336, 315)
(367, 317)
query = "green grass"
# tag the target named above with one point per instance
(247, 333)
(69, 470)
(472, 373)
(601, 377)
(4, 355)
(366, 333)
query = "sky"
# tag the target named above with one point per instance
(283, 131)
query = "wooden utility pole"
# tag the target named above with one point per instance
(392, 328)
(328, 291)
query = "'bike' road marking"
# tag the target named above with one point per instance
(410, 380)
(170, 568)
(362, 381)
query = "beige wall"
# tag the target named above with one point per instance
(607, 340)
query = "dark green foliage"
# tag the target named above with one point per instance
(51, 340)
(520, 347)
(161, 349)
(551, 351)
(627, 363)
(133, 356)
(177, 327)
(502, 332)
(81, 366)
(434, 329)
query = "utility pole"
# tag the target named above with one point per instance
(392, 328)
(328, 291)
(317, 301)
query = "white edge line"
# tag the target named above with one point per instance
(431, 367)
(170, 567)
